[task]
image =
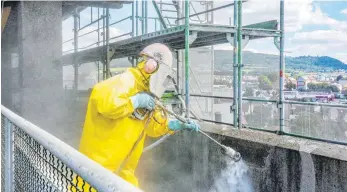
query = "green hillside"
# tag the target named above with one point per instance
(224, 60)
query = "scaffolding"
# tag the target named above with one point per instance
(181, 30)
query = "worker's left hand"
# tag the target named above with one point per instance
(143, 100)
(176, 125)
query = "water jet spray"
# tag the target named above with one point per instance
(236, 156)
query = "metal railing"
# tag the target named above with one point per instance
(97, 32)
(317, 121)
(34, 160)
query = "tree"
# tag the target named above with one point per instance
(324, 85)
(334, 88)
(273, 77)
(290, 85)
(249, 92)
(313, 86)
(264, 83)
(339, 77)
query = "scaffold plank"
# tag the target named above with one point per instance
(174, 38)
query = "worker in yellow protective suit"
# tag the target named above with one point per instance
(113, 135)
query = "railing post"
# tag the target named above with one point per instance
(282, 66)
(235, 69)
(9, 157)
(239, 62)
(186, 56)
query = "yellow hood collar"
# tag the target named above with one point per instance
(141, 77)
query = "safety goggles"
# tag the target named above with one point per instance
(151, 65)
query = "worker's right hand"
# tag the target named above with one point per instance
(176, 125)
(143, 100)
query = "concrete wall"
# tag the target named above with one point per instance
(32, 81)
(40, 33)
(9, 68)
(190, 162)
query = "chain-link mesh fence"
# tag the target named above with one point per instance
(35, 161)
(3, 155)
(35, 167)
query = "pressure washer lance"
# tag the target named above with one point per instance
(236, 156)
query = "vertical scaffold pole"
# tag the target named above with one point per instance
(239, 58)
(186, 56)
(143, 17)
(137, 17)
(107, 42)
(76, 28)
(212, 66)
(146, 17)
(178, 71)
(98, 64)
(282, 66)
(235, 68)
(103, 42)
(161, 8)
(133, 18)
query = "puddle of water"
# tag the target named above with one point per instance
(234, 178)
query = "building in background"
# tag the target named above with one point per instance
(302, 82)
(339, 86)
(343, 82)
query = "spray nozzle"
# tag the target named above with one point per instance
(236, 156)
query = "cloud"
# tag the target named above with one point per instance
(342, 57)
(321, 36)
(297, 14)
(344, 11)
(320, 42)
(319, 18)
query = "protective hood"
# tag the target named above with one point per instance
(159, 80)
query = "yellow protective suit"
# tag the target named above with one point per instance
(110, 132)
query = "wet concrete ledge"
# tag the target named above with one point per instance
(325, 149)
(189, 161)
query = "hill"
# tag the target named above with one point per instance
(224, 59)
(201, 59)
(315, 63)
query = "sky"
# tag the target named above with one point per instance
(316, 28)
